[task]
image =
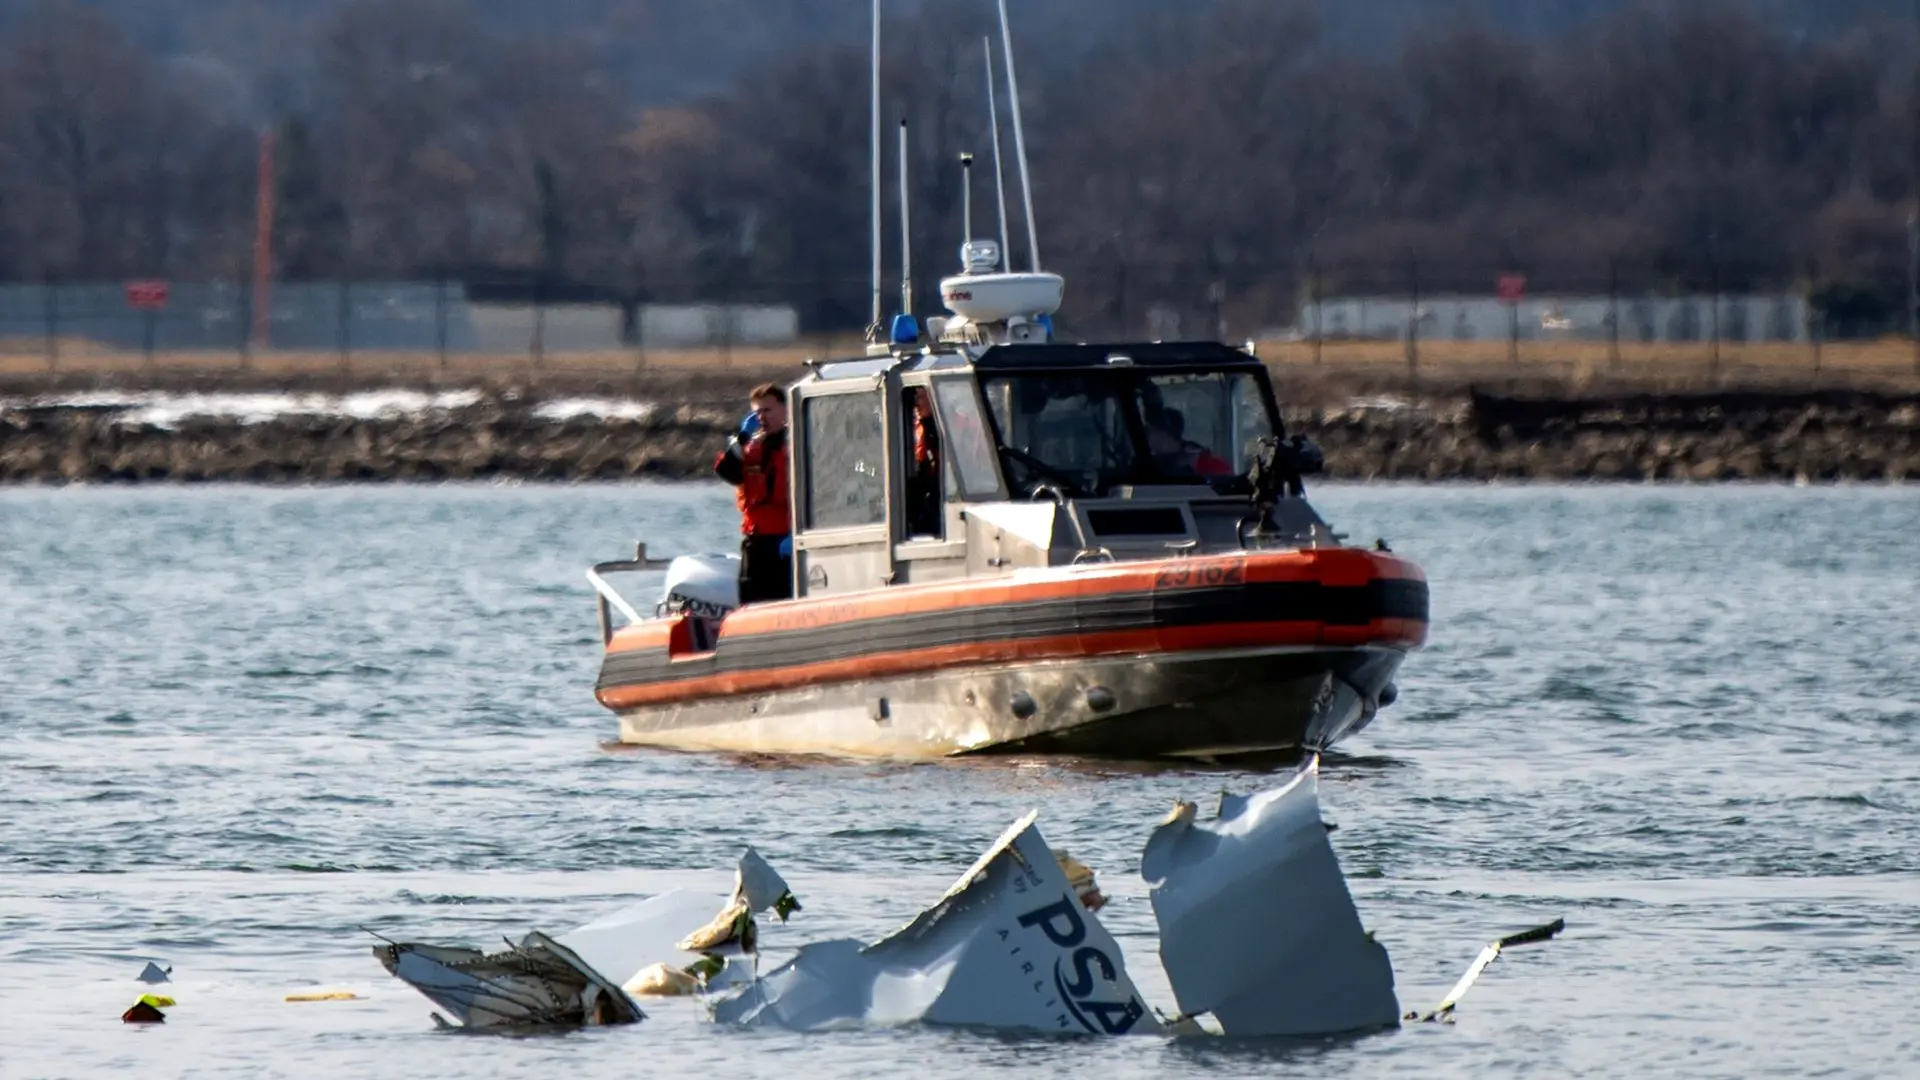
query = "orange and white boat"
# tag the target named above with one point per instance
(1077, 593)
(1116, 558)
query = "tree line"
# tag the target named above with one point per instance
(1240, 152)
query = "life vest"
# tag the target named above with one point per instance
(926, 445)
(762, 490)
(1208, 463)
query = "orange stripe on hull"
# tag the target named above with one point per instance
(1392, 632)
(1327, 566)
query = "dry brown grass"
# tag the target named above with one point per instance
(1335, 367)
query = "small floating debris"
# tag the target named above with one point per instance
(152, 974)
(324, 995)
(147, 1010)
(664, 980)
(1444, 1011)
(665, 946)
(1080, 876)
(536, 983)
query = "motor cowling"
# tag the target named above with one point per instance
(707, 585)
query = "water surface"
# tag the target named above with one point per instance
(241, 727)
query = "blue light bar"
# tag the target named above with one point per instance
(906, 330)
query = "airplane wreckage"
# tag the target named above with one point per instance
(1258, 935)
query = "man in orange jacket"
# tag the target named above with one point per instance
(756, 463)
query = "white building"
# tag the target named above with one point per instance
(1781, 318)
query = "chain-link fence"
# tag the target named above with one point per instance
(1409, 313)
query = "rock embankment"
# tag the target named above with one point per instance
(1816, 436)
(490, 440)
(1839, 435)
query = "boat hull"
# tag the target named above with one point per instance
(1210, 705)
(1210, 657)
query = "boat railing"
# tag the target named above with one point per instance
(609, 598)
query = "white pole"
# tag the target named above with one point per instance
(906, 232)
(876, 167)
(999, 173)
(966, 201)
(1020, 141)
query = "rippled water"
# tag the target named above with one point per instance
(238, 726)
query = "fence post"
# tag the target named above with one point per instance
(346, 324)
(1613, 312)
(150, 319)
(1313, 285)
(1913, 284)
(440, 321)
(51, 306)
(1816, 324)
(1713, 271)
(1413, 316)
(640, 333)
(246, 329)
(539, 317)
(1513, 333)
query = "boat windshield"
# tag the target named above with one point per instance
(1083, 432)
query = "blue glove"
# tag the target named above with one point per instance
(749, 426)
(786, 547)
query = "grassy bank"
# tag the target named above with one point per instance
(1306, 372)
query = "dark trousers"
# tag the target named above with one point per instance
(765, 574)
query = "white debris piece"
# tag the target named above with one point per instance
(761, 888)
(1009, 947)
(538, 982)
(152, 975)
(1256, 924)
(623, 942)
(667, 929)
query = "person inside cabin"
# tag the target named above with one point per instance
(757, 463)
(923, 471)
(1175, 454)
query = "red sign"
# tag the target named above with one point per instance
(1511, 287)
(150, 295)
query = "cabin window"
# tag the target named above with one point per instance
(1083, 433)
(1208, 422)
(1068, 431)
(969, 450)
(846, 454)
(923, 460)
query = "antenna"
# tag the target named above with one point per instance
(1019, 142)
(966, 198)
(874, 327)
(999, 173)
(906, 232)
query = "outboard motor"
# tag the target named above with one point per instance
(706, 585)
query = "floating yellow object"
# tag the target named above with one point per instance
(325, 995)
(662, 980)
(158, 1001)
(1080, 876)
(734, 925)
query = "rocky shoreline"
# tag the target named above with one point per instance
(1816, 436)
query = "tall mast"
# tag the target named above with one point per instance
(875, 323)
(1020, 142)
(966, 199)
(906, 231)
(999, 172)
